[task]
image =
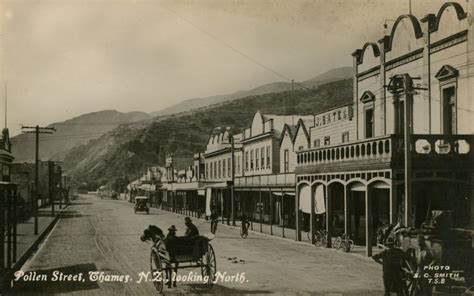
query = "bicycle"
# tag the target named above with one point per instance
(344, 243)
(320, 238)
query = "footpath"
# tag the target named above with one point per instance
(28, 242)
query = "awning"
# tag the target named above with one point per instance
(319, 200)
(380, 185)
(208, 201)
(305, 199)
(358, 187)
(218, 185)
(284, 193)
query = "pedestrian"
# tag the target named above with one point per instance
(192, 230)
(214, 221)
(424, 258)
(391, 259)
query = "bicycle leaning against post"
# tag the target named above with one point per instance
(320, 237)
(344, 243)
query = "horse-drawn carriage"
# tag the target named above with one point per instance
(182, 252)
(451, 249)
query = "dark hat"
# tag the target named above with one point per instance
(187, 220)
(172, 228)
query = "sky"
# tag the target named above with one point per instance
(61, 59)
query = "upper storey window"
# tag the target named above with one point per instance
(448, 78)
(368, 99)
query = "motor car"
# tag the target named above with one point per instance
(141, 204)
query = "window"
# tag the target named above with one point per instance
(214, 170)
(368, 99)
(257, 159)
(246, 161)
(369, 123)
(251, 160)
(207, 171)
(300, 148)
(327, 141)
(229, 167)
(399, 116)
(223, 168)
(317, 143)
(286, 161)
(449, 110)
(448, 76)
(345, 137)
(238, 164)
(219, 169)
(262, 157)
(268, 157)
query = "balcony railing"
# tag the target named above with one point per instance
(389, 149)
(284, 180)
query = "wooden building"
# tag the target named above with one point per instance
(362, 180)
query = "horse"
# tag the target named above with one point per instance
(155, 234)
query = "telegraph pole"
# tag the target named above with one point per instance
(292, 102)
(232, 197)
(403, 84)
(37, 130)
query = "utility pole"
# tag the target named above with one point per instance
(37, 130)
(232, 197)
(292, 102)
(403, 84)
(60, 188)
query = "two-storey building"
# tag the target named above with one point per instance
(265, 191)
(364, 177)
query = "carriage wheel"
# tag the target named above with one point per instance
(209, 266)
(411, 285)
(157, 271)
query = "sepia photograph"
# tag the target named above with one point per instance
(237, 147)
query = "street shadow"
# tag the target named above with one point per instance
(221, 290)
(80, 203)
(67, 215)
(48, 287)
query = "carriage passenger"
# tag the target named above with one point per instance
(192, 230)
(171, 233)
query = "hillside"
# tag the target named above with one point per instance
(71, 133)
(190, 104)
(127, 150)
